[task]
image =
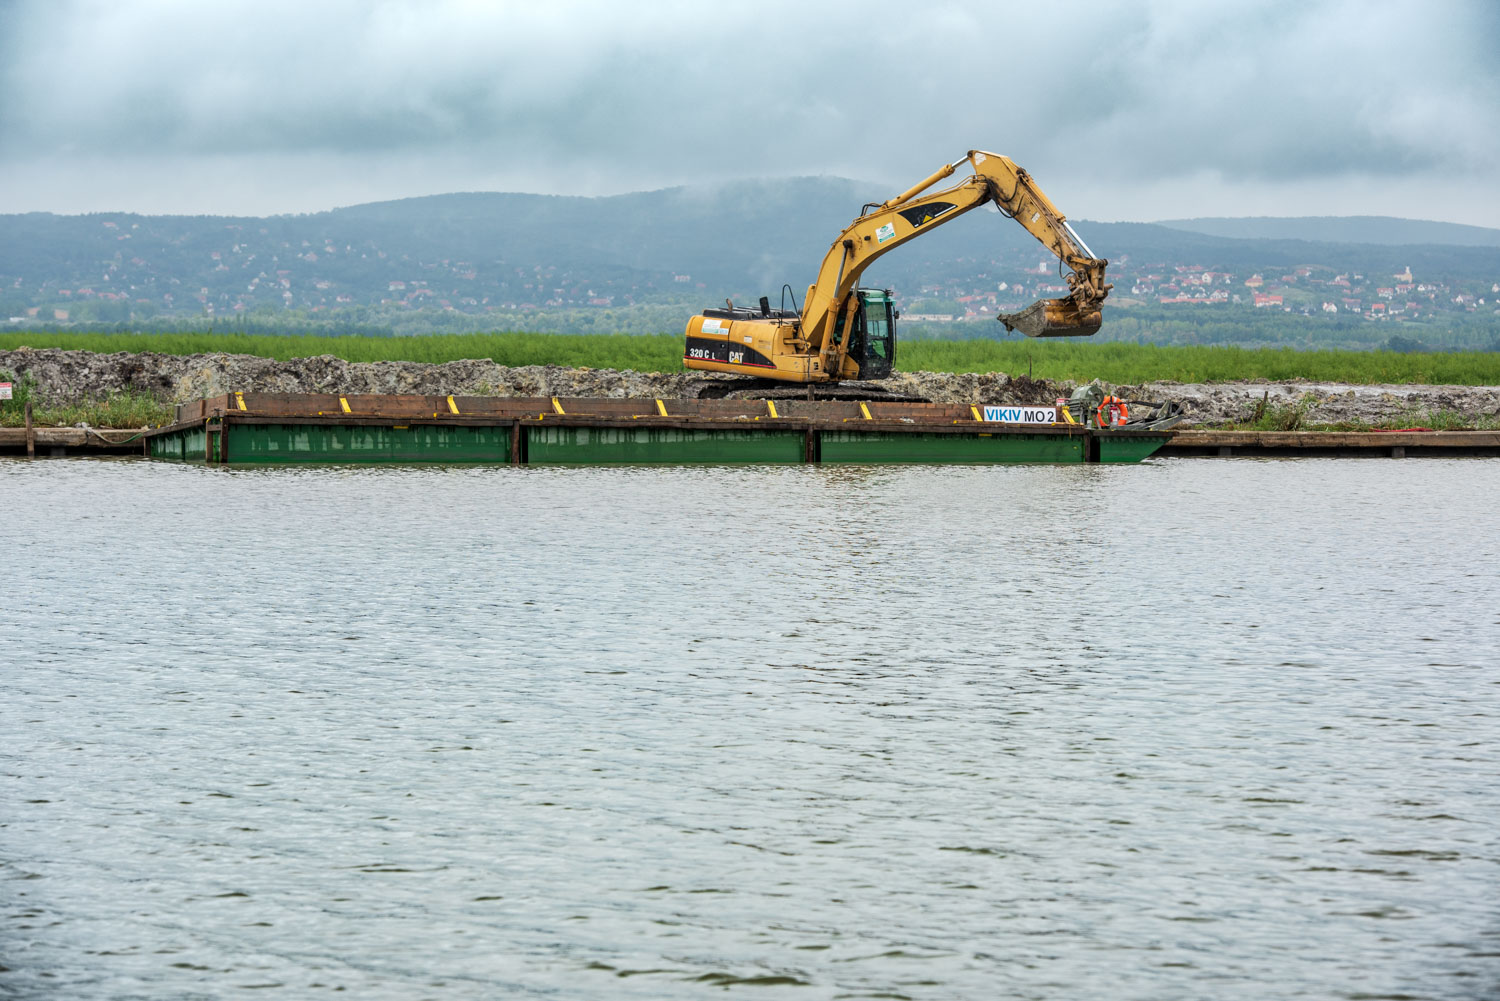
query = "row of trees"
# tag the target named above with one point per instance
(1244, 326)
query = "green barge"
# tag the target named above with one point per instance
(289, 429)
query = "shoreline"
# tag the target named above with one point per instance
(73, 377)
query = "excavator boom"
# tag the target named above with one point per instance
(831, 337)
(1017, 196)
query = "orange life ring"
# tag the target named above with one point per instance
(1111, 406)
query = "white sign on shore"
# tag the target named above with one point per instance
(1021, 415)
(5, 391)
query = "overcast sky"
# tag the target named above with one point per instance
(1137, 110)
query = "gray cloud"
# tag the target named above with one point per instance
(343, 101)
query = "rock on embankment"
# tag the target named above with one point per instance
(1326, 403)
(79, 376)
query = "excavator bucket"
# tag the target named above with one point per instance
(1053, 318)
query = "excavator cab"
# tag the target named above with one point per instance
(879, 314)
(873, 344)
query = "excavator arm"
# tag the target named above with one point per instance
(883, 227)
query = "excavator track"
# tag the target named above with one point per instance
(773, 389)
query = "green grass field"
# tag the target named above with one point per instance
(1080, 360)
(646, 353)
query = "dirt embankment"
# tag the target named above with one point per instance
(80, 376)
(1325, 403)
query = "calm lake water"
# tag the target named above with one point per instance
(1193, 729)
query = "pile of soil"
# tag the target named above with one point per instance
(65, 377)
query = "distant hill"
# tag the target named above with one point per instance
(730, 233)
(645, 261)
(1375, 229)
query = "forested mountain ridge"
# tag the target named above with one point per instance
(493, 259)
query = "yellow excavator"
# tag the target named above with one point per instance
(845, 332)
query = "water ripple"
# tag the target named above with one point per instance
(1189, 729)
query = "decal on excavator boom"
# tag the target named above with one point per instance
(926, 213)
